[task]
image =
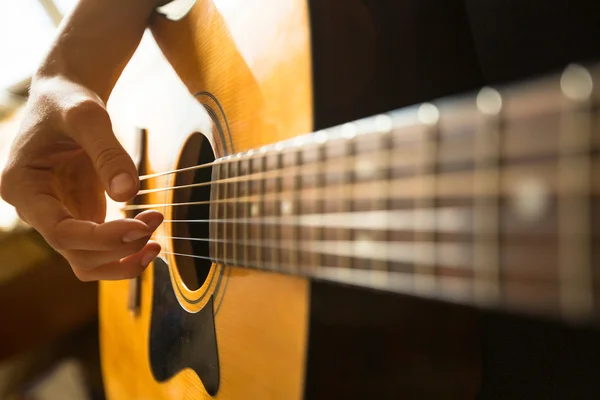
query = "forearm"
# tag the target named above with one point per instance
(96, 41)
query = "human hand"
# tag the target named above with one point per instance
(63, 159)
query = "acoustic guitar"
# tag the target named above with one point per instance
(326, 235)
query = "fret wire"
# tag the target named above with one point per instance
(261, 207)
(574, 179)
(246, 227)
(319, 186)
(425, 276)
(383, 202)
(295, 253)
(488, 148)
(217, 208)
(236, 171)
(225, 209)
(277, 231)
(346, 199)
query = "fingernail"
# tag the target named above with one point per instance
(122, 183)
(148, 257)
(134, 235)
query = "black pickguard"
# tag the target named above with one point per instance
(179, 339)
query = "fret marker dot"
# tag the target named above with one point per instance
(531, 199)
(428, 114)
(321, 137)
(489, 101)
(383, 123)
(299, 141)
(349, 130)
(286, 207)
(576, 83)
(254, 210)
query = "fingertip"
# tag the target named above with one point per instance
(151, 218)
(151, 251)
(123, 186)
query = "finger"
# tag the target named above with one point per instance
(82, 192)
(90, 126)
(52, 219)
(86, 259)
(127, 268)
(152, 218)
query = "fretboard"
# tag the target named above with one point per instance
(490, 199)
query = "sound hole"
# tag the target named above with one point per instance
(194, 234)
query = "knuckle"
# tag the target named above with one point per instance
(83, 108)
(7, 185)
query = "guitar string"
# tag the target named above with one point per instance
(367, 157)
(288, 244)
(303, 269)
(312, 270)
(310, 140)
(453, 191)
(393, 281)
(370, 160)
(312, 145)
(277, 267)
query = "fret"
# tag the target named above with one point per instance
(216, 210)
(424, 265)
(246, 170)
(257, 165)
(295, 261)
(574, 179)
(488, 144)
(321, 139)
(235, 171)
(260, 210)
(348, 131)
(225, 208)
(383, 127)
(274, 163)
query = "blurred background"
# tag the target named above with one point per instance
(48, 319)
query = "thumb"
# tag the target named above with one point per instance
(91, 128)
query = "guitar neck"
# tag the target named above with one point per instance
(487, 199)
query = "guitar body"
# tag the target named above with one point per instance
(261, 319)
(254, 73)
